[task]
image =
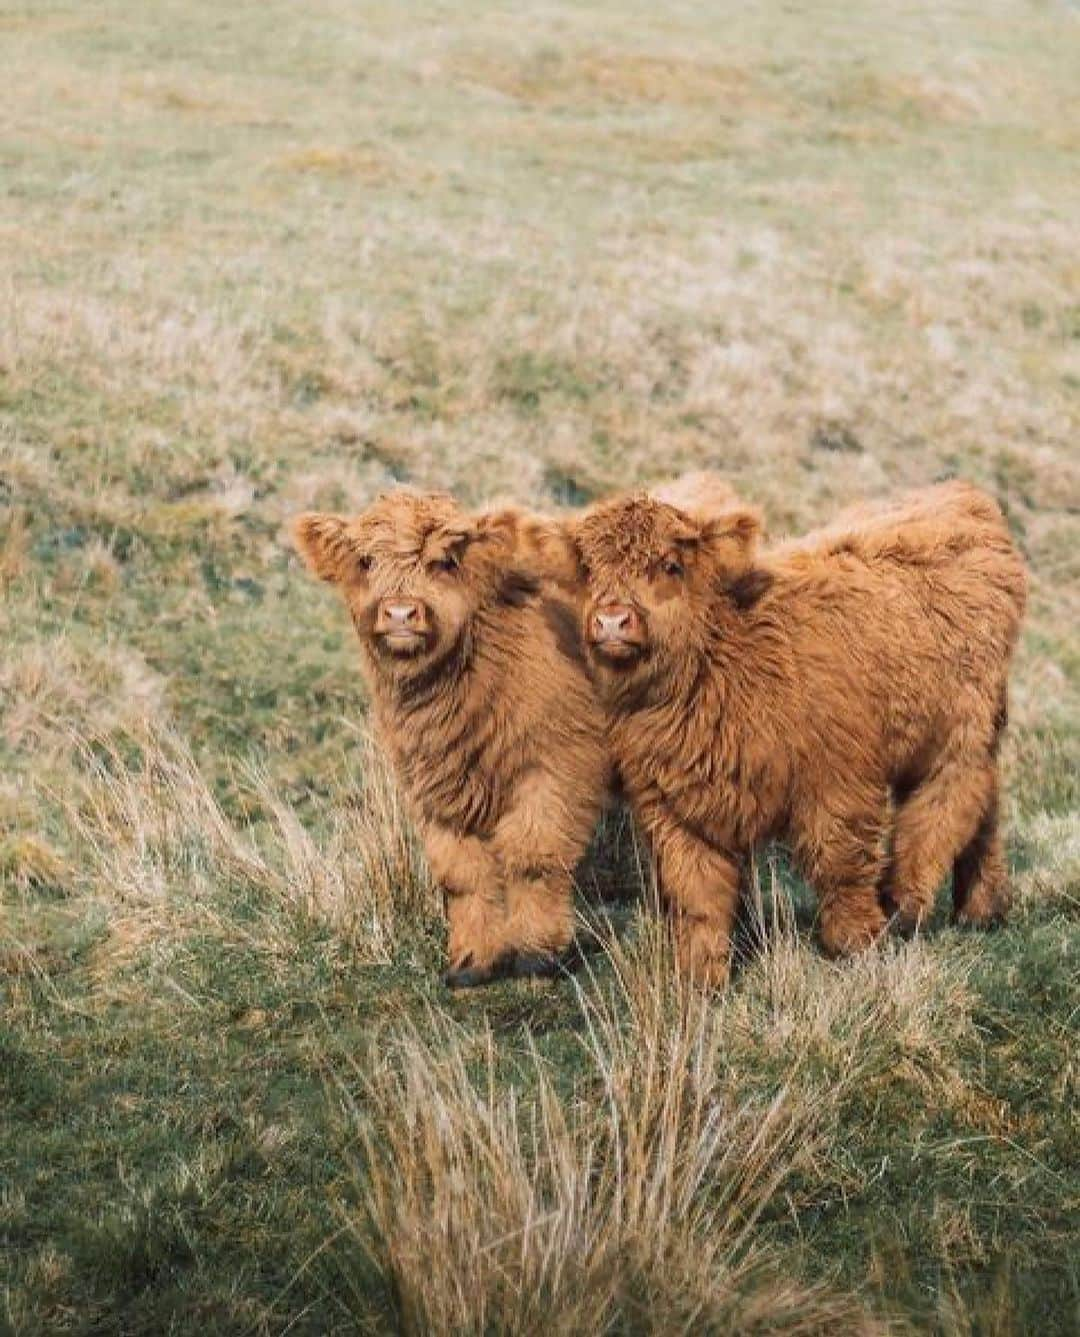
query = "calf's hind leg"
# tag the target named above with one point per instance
(937, 825)
(980, 886)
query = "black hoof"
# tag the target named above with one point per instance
(471, 977)
(984, 924)
(537, 965)
(904, 924)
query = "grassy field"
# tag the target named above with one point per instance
(260, 257)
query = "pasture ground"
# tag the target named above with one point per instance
(261, 257)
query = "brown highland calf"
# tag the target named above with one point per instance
(482, 699)
(844, 693)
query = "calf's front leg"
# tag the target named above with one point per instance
(701, 886)
(841, 845)
(538, 844)
(541, 919)
(478, 946)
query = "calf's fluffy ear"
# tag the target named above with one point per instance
(732, 540)
(703, 495)
(733, 535)
(323, 542)
(556, 552)
(542, 545)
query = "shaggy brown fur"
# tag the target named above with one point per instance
(844, 693)
(482, 699)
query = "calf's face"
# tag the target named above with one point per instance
(652, 572)
(414, 568)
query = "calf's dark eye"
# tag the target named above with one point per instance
(364, 564)
(671, 567)
(446, 563)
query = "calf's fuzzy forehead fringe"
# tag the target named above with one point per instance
(424, 510)
(630, 533)
(407, 517)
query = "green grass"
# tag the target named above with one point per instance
(269, 257)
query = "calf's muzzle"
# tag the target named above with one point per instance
(616, 631)
(403, 623)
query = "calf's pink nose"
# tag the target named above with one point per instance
(614, 621)
(400, 614)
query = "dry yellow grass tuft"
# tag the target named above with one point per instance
(637, 1203)
(147, 826)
